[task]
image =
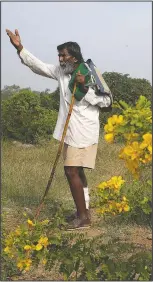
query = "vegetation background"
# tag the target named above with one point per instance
(28, 152)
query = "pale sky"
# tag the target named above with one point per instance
(117, 36)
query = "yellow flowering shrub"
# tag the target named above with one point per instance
(27, 244)
(134, 127)
(110, 198)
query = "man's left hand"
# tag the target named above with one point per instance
(80, 78)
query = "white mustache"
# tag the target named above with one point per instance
(63, 64)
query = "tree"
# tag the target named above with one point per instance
(125, 88)
(9, 90)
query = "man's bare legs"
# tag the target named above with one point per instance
(76, 186)
(83, 177)
(85, 186)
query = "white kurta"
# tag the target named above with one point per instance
(83, 128)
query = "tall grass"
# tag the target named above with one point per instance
(25, 172)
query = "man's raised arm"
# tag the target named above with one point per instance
(36, 65)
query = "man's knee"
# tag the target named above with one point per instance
(71, 171)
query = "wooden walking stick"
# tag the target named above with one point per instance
(58, 154)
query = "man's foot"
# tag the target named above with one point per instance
(80, 223)
(71, 217)
(74, 215)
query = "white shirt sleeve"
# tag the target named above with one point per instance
(93, 99)
(37, 66)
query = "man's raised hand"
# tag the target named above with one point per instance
(15, 39)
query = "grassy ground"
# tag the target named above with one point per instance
(25, 172)
(26, 169)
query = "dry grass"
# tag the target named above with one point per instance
(25, 172)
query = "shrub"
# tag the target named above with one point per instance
(139, 194)
(133, 129)
(24, 119)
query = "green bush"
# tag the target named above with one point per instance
(139, 194)
(50, 100)
(76, 257)
(24, 119)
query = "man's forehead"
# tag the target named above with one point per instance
(63, 52)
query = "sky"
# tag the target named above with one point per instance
(117, 36)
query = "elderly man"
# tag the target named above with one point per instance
(80, 144)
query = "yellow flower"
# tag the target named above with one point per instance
(110, 121)
(109, 137)
(9, 240)
(102, 185)
(113, 119)
(128, 150)
(133, 150)
(147, 138)
(150, 149)
(44, 261)
(124, 199)
(100, 210)
(43, 241)
(28, 263)
(27, 247)
(24, 264)
(119, 119)
(27, 268)
(20, 264)
(17, 232)
(143, 145)
(44, 222)
(126, 208)
(30, 222)
(108, 128)
(7, 250)
(148, 158)
(38, 247)
(116, 182)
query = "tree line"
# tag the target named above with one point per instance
(29, 115)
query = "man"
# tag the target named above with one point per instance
(80, 144)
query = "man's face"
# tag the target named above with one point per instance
(66, 61)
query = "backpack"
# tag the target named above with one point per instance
(99, 84)
(93, 79)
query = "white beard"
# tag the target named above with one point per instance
(68, 68)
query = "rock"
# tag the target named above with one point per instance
(19, 144)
